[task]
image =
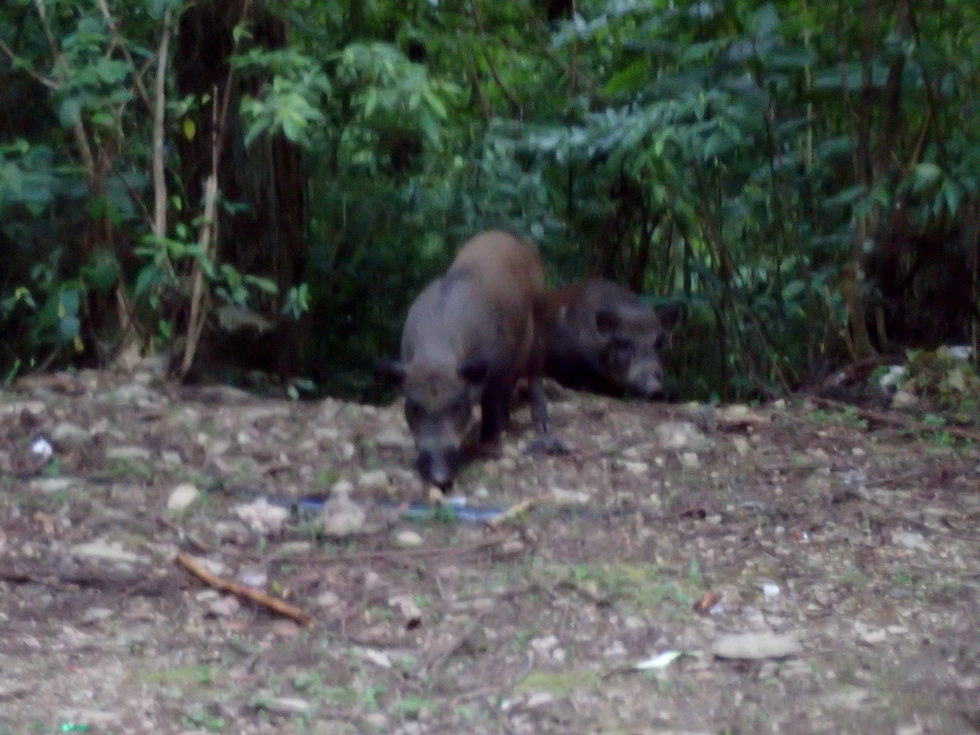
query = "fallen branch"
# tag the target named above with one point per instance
(517, 508)
(54, 575)
(273, 603)
(889, 419)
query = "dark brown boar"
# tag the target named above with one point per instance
(467, 339)
(601, 337)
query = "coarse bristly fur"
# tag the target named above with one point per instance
(600, 337)
(467, 338)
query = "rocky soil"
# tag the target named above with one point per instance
(778, 568)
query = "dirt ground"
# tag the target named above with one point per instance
(842, 553)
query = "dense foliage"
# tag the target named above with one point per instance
(267, 185)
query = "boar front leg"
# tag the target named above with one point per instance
(494, 405)
(547, 443)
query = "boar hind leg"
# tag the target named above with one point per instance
(547, 443)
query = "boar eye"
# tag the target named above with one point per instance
(660, 342)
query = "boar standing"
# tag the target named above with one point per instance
(467, 338)
(601, 337)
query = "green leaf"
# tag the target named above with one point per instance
(926, 175)
(435, 104)
(953, 195)
(68, 302)
(69, 111)
(263, 284)
(150, 276)
(102, 271)
(631, 79)
(69, 328)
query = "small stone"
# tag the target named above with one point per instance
(636, 468)
(69, 435)
(869, 634)
(262, 517)
(342, 516)
(373, 480)
(903, 399)
(106, 551)
(409, 609)
(742, 445)
(512, 547)
(407, 538)
(286, 628)
(97, 614)
(690, 460)
(543, 645)
(680, 434)
(286, 705)
(910, 540)
(232, 531)
(328, 599)
(569, 497)
(755, 645)
(392, 438)
(615, 650)
(128, 453)
(170, 457)
(41, 449)
(54, 484)
(18, 407)
(182, 496)
(257, 578)
(377, 720)
(539, 699)
(225, 606)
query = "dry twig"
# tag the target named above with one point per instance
(273, 603)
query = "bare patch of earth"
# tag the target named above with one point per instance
(665, 529)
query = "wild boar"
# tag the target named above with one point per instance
(601, 337)
(467, 338)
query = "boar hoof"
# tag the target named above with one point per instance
(548, 444)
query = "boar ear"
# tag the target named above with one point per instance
(474, 371)
(606, 320)
(668, 316)
(391, 371)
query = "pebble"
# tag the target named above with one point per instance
(407, 539)
(182, 496)
(755, 645)
(69, 435)
(125, 453)
(286, 705)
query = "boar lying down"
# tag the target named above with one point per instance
(601, 337)
(468, 337)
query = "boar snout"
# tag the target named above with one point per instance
(439, 468)
(647, 382)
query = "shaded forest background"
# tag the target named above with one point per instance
(257, 190)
